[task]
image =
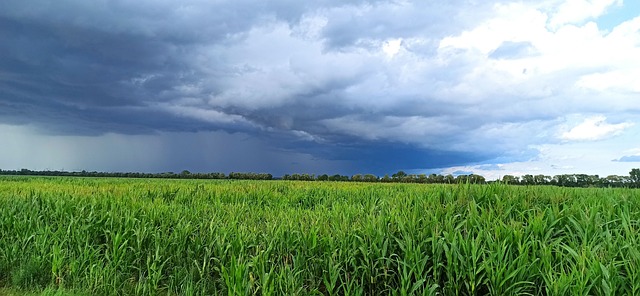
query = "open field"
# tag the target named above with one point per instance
(189, 237)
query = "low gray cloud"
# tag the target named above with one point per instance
(629, 158)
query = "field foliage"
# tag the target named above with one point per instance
(190, 237)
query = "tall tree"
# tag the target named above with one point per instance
(510, 179)
(398, 176)
(634, 177)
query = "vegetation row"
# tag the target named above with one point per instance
(566, 180)
(196, 237)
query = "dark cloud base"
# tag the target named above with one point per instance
(387, 158)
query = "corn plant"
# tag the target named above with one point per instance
(89, 236)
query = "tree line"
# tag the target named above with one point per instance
(166, 175)
(399, 177)
(565, 180)
(577, 180)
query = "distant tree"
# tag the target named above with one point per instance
(300, 177)
(509, 179)
(323, 177)
(461, 179)
(613, 181)
(398, 176)
(432, 178)
(409, 179)
(449, 179)
(476, 179)
(582, 180)
(527, 180)
(540, 179)
(386, 178)
(337, 177)
(370, 178)
(422, 178)
(595, 181)
(634, 178)
(217, 175)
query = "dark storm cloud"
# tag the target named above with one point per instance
(320, 78)
(58, 74)
(379, 158)
(74, 57)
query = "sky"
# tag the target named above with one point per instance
(339, 87)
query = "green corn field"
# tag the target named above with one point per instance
(84, 236)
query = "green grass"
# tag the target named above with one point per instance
(45, 292)
(189, 237)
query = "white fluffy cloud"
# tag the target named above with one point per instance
(595, 128)
(577, 11)
(583, 53)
